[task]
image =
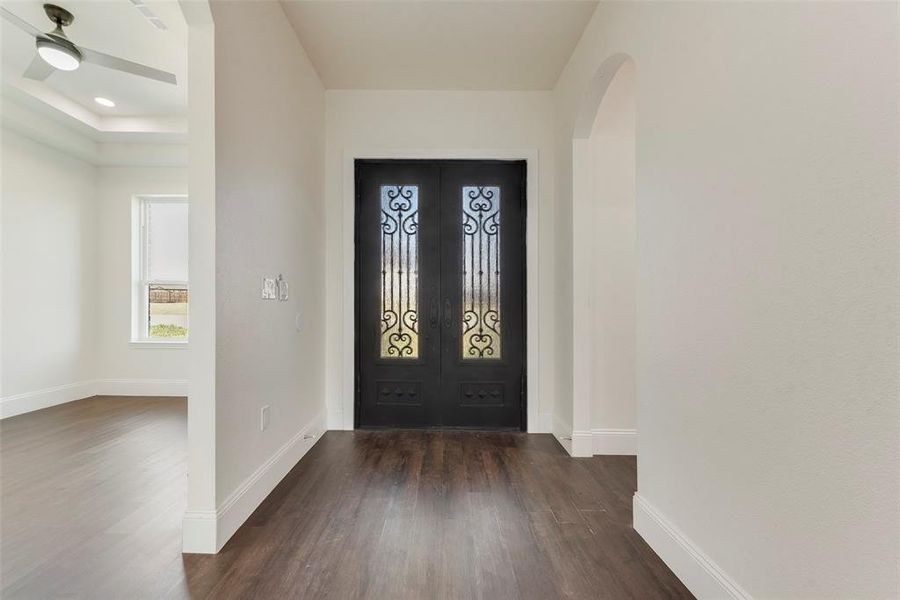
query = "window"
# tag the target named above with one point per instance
(160, 264)
(399, 271)
(481, 338)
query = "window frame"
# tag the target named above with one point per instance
(141, 282)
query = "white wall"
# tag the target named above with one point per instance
(612, 242)
(436, 124)
(200, 523)
(49, 277)
(270, 109)
(67, 225)
(143, 369)
(767, 204)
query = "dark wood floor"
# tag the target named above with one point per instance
(93, 494)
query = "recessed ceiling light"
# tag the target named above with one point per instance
(104, 102)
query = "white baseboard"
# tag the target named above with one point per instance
(703, 577)
(142, 387)
(619, 442)
(206, 532)
(334, 420)
(563, 434)
(582, 444)
(544, 424)
(18, 404)
(592, 442)
(198, 532)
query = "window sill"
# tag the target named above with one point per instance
(155, 345)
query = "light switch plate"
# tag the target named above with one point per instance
(264, 418)
(269, 288)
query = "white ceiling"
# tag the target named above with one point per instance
(115, 27)
(439, 44)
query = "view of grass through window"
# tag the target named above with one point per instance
(165, 268)
(164, 277)
(168, 312)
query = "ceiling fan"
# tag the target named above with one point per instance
(55, 51)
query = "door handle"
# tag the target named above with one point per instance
(448, 320)
(433, 312)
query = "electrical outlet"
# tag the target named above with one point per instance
(264, 418)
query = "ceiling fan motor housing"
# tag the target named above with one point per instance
(59, 15)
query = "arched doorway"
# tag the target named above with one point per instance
(604, 264)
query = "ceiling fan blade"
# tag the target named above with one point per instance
(38, 70)
(23, 25)
(126, 66)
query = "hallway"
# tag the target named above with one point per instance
(365, 514)
(449, 299)
(415, 514)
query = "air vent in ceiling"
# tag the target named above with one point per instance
(145, 10)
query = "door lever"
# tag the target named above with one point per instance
(447, 317)
(433, 312)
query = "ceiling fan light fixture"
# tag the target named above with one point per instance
(58, 55)
(56, 51)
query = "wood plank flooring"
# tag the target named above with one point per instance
(93, 494)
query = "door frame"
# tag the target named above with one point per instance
(347, 341)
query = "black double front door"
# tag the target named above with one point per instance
(440, 293)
